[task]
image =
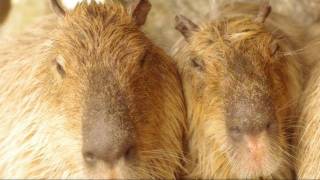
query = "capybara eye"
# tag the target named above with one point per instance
(60, 66)
(269, 125)
(60, 69)
(196, 63)
(143, 59)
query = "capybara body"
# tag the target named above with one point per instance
(308, 156)
(308, 144)
(242, 80)
(87, 95)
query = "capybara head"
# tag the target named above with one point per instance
(236, 82)
(121, 91)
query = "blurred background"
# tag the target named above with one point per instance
(160, 24)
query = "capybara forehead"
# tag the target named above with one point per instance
(102, 36)
(239, 35)
(108, 13)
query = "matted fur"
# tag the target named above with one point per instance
(235, 31)
(103, 51)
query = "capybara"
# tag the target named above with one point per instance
(242, 80)
(308, 154)
(86, 94)
(308, 141)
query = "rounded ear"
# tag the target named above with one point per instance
(264, 11)
(139, 11)
(185, 26)
(57, 8)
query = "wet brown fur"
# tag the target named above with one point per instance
(109, 63)
(229, 60)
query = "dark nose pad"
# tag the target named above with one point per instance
(108, 146)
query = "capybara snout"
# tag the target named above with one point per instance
(107, 125)
(107, 137)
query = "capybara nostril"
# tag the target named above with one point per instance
(253, 143)
(89, 158)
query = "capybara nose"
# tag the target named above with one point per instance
(108, 142)
(110, 150)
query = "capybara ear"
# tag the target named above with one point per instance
(57, 8)
(264, 11)
(185, 26)
(139, 11)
